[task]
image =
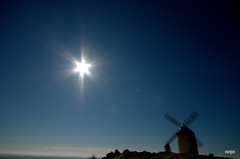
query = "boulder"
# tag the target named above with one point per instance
(125, 152)
(117, 152)
(110, 155)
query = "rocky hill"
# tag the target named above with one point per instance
(126, 154)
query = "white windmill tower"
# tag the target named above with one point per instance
(186, 140)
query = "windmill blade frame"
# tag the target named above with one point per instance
(191, 118)
(172, 138)
(199, 142)
(173, 120)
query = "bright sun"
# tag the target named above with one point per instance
(82, 68)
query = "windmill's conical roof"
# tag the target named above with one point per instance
(184, 129)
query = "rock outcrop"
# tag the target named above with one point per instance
(126, 154)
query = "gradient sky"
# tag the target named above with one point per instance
(148, 58)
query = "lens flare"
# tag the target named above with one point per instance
(82, 67)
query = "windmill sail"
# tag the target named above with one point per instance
(186, 140)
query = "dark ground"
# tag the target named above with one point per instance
(126, 154)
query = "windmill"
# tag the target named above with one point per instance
(186, 140)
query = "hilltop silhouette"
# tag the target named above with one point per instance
(126, 154)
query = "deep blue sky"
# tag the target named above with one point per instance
(148, 58)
